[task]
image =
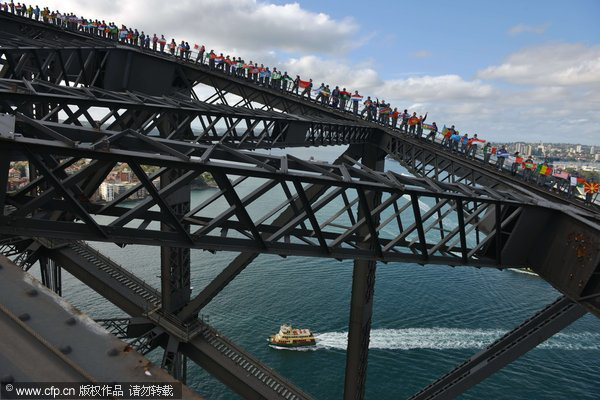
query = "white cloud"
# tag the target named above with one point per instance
(331, 71)
(554, 64)
(249, 26)
(429, 88)
(524, 28)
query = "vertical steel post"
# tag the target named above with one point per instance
(361, 303)
(175, 262)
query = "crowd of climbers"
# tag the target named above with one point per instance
(342, 99)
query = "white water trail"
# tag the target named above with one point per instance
(451, 338)
(522, 271)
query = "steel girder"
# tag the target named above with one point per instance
(151, 327)
(412, 209)
(419, 157)
(70, 58)
(202, 122)
(585, 288)
(535, 330)
(431, 161)
(363, 288)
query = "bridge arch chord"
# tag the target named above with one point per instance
(176, 117)
(420, 221)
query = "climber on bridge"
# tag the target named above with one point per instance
(487, 153)
(275, 79)
(446, 140)
(367, 108)
(501, 156)
(404, 125)
(420, 125)
(285, 80)
(464, 142)
(356, 98)
(454, 140)
(528, 169)
(162, 42)
(472, 147)
(432, 133)
(344, 97)
(211, 59)
(227, 63)
(335, 97)
(516, 163)
(319, 92)
(394, 115)
(412, 123)
(200, 56)
(307, 87)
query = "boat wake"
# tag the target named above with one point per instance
(303, 348)
(522, 271)
(451, 338)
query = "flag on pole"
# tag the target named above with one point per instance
(427, 126)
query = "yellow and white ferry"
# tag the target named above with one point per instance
(289, 336)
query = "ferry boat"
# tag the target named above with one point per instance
(289, 336)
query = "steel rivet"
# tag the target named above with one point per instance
(66, 349)
(24, 317)
(71, 321)
(32, 292)
(113, 352)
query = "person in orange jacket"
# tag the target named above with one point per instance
(395, 114)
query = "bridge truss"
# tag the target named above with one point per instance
(67, 97)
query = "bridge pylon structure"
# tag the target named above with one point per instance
(68, 96)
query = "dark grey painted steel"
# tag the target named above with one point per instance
(244, 259)
(547, 322)
(45, 339)
(246, 128)
(209, 348)
(363, 287)
(496, 206)
(285, 170)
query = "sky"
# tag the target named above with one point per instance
(508, 71)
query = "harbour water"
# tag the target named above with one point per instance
(426, 320)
